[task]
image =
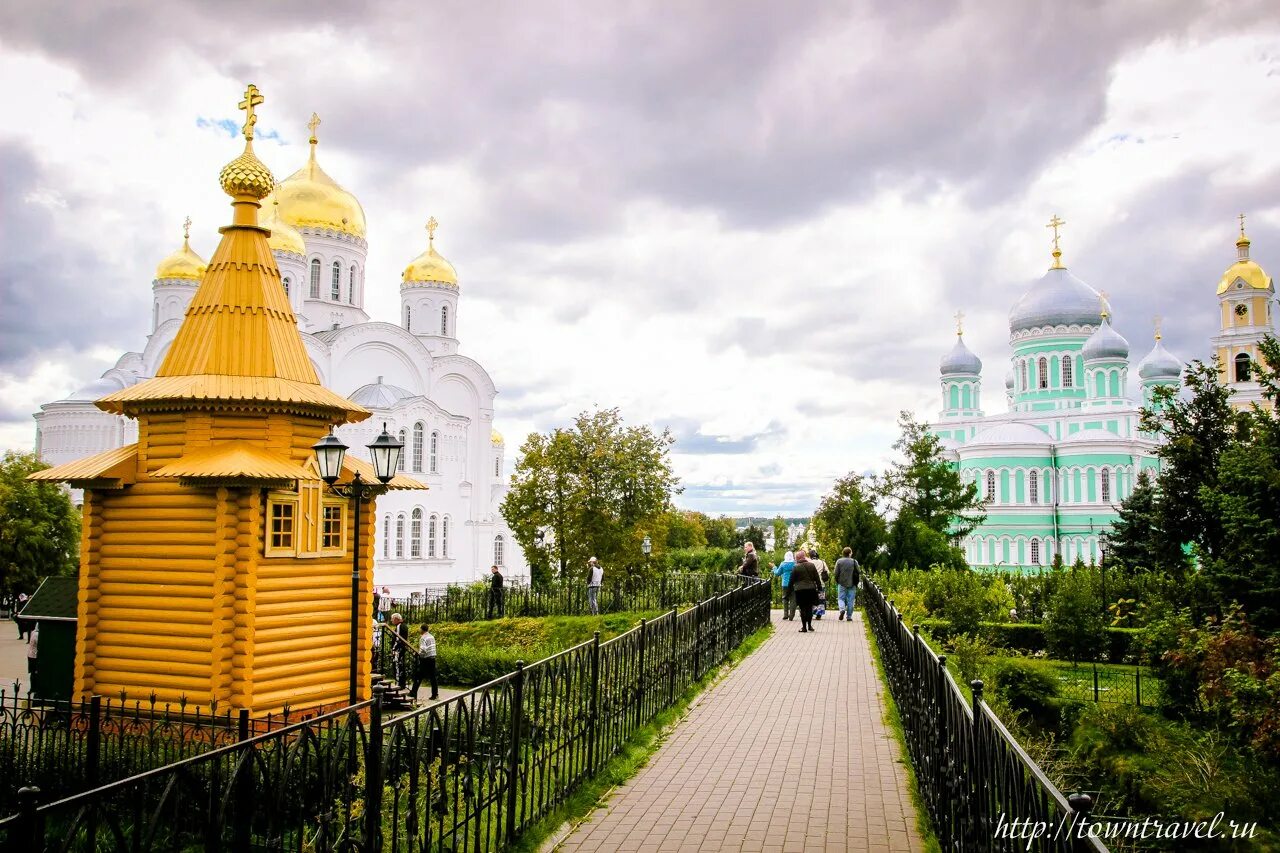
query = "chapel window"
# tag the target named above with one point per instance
(991, 486)
(415, 534)
(444, 537)
(332, 525)
(1043, 373)
(1022, 376)
(315, 278)
(400, 536)
(400, 463)
(417, 447)
(1243, 367)
(351, 297)
(498, 548)
(407, 317)
(1035, 552)
(286, 282)
(435, 452)
(1033, 486)
(1106, 486)
(283, 535)
(444, 320)
(497, 466)
(335, 288)
(386, 537)
(1068, 379)
(432, 523)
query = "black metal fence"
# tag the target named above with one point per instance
(982, 791)
(469, 773)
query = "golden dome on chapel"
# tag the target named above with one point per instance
(495, 437)
(1245, 269)
(310, 198)
(182, 263)
(430, 266)
(284, 237)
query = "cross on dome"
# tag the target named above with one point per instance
(432, 225)
(959, 315)
(251, 100)
(1156, 321)
(1102, 300)
(1242, 225)
(186, 228)
(1055, 223)
(312, 125)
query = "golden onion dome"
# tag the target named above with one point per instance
(284, 237)
(183, 263)
(430, 266)
(309, 197)
(495, 437)
(246, 175)
(1244, 268)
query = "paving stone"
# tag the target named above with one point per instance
(789, 752)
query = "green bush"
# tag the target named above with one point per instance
(1074, 628)
(1030, 688)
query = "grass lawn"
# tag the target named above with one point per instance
(1116, 682)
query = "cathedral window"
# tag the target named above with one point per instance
(386, 537)
(400, 536)
(1106, 486)
(1035, 552)
(351, 297)
(408, 315)
(335, 288)
(444, 320)
(498, 548)
(991, 486)
(444, 537)
(417, 447)
(286, 282)
(1033, 487)
(1022, 376)
(400, 464)
(315, 278)
(415, 534)
(432, 522)
(497, 466)
(435, 452)
(1243, 367)
(1042, 374)
(1068, 379)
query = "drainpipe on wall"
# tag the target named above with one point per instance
(1057, 498)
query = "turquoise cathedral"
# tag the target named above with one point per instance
(1053, 468)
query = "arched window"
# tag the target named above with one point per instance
(386, 536)
(1106, 486)
(497, 466)
(991, 486)
(415, 534)
(417, 446)
(1033, 487)
(1068, 376)
(444, 537)
(431, 535)
(400, 463)
(444, 320)
(435, 452)
(1243, 368)
(335, 288)
(286, 281)
(1035, 552)
(1042, 374)
(407, 317)
(351, 297)
(315, 278)
(400, 536)
(498, 550)
(1022, 376)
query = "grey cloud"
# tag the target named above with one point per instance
(690, 439)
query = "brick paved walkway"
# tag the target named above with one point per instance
(787, 753)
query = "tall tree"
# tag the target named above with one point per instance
(753, 534)
(1137, 541)
(933, 508)
(847, 517)
(685, 529)
(597, 488)
(721, 532)
(39, 528)
(780, 533)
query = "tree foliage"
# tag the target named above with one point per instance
(39, 528)
(1074, 627)
(596, 488)
(1138, 541)
(847, 517)
(685, 529)
(721, 532)
(780, 529)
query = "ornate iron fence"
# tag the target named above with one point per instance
(982, 791)
(469, 773)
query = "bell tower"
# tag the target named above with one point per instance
(1246, 296)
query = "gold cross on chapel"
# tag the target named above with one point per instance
(1242, 225)
(959, 315)
(186, 228)
(312, 125)
(251, 100)
(1055, 223)
(432, 225)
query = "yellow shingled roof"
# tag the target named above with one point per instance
(118, 464)
(239, 340)
(233, 460)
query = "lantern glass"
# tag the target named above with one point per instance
(385, 453)
(646, 546)
(330, 451)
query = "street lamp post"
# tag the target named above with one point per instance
(330, 452)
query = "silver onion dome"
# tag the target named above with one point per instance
(1058, 298)
(960, 361)
(1105, 342)
(1160, 364)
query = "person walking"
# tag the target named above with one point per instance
(782, 571)
(496, 595)
(824, 578)
(805, 582)
(750, 562)
(847, 576)
(33, 653)
(426, 666)
(400, 639)
(384, 604)
(595, 577)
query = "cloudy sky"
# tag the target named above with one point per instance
(750, 222)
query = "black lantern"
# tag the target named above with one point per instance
(330, 451)
(647, 546)
(385, 452)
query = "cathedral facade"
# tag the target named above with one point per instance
(1054, 466)
(409, 374)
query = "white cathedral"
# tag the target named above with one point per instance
(411, 376)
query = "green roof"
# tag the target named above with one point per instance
(55, 599)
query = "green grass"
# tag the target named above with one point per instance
(1116, 682)
(891, 719)
(634, 755)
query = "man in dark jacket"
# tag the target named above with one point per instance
(497, 595)
(750, 562)
(805, 582)
(847, 577)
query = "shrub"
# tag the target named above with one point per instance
(968, 651)
(1029, 688)
(1074, 627)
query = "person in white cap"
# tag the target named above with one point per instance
(595, 576)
